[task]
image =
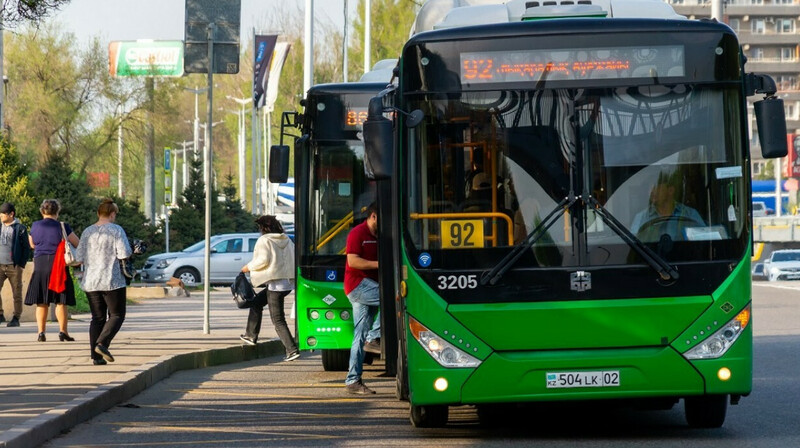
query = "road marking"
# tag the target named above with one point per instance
(150, 426)
(793, 288)
(237, 411)
(287, 398)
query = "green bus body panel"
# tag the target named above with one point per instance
(593, 335)
(581, 324)
(330, 334)
(729, 299)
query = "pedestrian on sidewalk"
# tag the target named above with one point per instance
(14, 253)
(45, 237)
(103, 245)
(361, 288)
(272, 266)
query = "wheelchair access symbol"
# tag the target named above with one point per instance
(330, 275)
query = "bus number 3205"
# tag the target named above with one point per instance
(457, 281)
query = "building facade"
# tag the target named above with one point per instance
(770, 38)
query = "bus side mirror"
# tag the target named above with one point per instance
(771, 123)
(378, 142)
(278, 164)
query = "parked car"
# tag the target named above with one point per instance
(759, 273)
(760, 209)
(783, 265)
(229, 252)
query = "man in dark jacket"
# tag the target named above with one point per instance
(14, 253)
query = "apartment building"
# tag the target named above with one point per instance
(769, 32)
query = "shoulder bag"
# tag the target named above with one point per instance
(69, 252)
(243, 293)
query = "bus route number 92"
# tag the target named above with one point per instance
(462, 234)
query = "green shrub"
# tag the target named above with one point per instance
(81, 301)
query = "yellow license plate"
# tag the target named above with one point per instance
(462, 234)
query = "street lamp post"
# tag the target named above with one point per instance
(206, 167)
(242, 149)
(196, 123)
(185, 173)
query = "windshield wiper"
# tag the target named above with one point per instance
(493, 276)
(655, 261)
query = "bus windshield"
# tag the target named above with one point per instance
(338, 192)
(491, 169)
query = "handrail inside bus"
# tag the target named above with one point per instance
(471, 215)
(335, 230)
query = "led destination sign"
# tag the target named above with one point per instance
(572, 64)
(354, 117)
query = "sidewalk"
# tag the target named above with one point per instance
(46, 388)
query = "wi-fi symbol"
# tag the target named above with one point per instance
(425, 259)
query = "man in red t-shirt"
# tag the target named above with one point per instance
(361, 287)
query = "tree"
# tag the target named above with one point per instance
(15, 12)
(242, 220)
(187, 222)
(55, 180)
(391, 23)
(15, 185)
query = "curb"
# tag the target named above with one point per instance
(38, 430)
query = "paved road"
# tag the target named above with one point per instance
(271, 403)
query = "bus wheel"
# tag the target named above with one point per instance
(431, 416)
(335, 360)
(707, 411)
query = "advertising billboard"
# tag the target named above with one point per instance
(146, 58)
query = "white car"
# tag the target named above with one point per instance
(783, 265)
(760, 209)
(229, 252)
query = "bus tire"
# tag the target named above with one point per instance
(705, 411)
(335, 360)
(430, 416)
(401, 383)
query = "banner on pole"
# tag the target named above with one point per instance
(278, 59)
(264, 45)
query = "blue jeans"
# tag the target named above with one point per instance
(366, 301)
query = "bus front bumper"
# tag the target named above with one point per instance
(646, 372)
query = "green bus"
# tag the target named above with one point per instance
(331, 191)
(570, 209)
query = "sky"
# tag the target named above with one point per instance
(114, 20)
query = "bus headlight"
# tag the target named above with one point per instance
(720, 341)
(440, 350)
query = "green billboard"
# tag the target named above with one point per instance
(145, 58)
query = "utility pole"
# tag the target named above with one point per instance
(243, 152)
(344, 43)
(196, 123)
(206, 131)
(149, 155)
(308, 50)
(3, 78)
(119, 161)
(716, 10)
(367, 32)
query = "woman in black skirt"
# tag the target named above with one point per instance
(45, 236)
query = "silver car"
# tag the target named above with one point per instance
(783, 264)
(229, 252)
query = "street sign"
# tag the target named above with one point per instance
(145, 58)
(167, 176)
(226, 17)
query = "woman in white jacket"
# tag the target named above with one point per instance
(272, 266)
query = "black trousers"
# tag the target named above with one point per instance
(275, 301)
(108, 313)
